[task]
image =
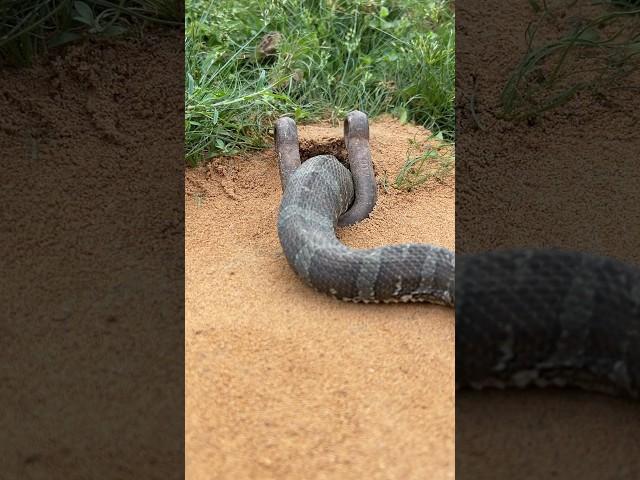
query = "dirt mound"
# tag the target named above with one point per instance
(284, 382)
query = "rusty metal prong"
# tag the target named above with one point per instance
(356, 139)
(287, 148)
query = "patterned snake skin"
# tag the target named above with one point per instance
(548, 318)
(316, 194)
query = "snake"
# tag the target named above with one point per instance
(548, 317)
(316, 195)
(525, 317)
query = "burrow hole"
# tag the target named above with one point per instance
(326, 146)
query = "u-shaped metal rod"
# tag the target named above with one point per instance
(356, 138)
(287, 148)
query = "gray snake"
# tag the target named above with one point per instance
(523, 317)
(548, 318)
(316, 195)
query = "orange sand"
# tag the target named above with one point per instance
(284, 382)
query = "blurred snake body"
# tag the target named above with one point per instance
(548, 318)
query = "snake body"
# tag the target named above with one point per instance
(548, 318)
(523, 317)
(316, 194)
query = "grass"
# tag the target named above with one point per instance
(433, 159)
(30, 28)
(597, 54)
(333, 56)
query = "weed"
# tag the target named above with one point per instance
(32, 27)
(595, 54)
(436, 162)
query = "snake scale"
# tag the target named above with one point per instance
(523, 317)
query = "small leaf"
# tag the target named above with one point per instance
(85, 14)
(384, 12)
(404, 114)
(300, 114)
(220, 144)
(83, 20)
(191, 84)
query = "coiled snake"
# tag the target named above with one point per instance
(523, 317)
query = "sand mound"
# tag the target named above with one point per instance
(284, 382)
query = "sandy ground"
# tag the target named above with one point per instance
(284, 382)
(568, 179)
(91, 291)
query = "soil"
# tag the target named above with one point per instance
(567, 178)
(91, 337)
(285, 382)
